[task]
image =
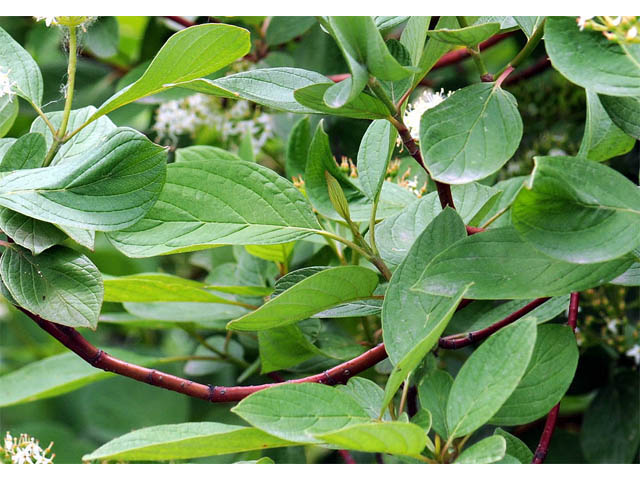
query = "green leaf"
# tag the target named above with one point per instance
(102, 38)
(203, 152)
(27, 152)
(211, 202)
(314, 294)
(414, 37)
(468, 36)
(578, 211)
(111, 189)
(588, 59)
(529, 24)
(471, 134)
(60, 285)
(611, 426)
(33, 234)
(393, 198)
(409, 317)
(271, 87)
(434, 49)
(515, 447)
(502, 266)
(510, 188)
(84, 142)
(299, 412)
(374, 154)
(22, 69)
(86, 238)
(489, 376)
(367, 393)
(602, 139)
(396, 233)
(387, 23)
(487, 450)
(57, 375)
(433, 392)
(394, 438)
(280, 253)
(184, 440)
(157, 287)
(189, 54)
(298, 148)
(625, 113)
(282, 29)
(630, 277)
(284, 347)
(8, 114)
(546, 380)
(362, 106)
(213, 316)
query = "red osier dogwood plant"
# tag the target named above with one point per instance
(463, 293)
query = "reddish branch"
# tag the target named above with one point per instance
(75, 342)
(552, 417)
(346, 456)
(182, 21)
(462, 340)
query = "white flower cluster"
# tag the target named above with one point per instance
(186, 116)
(25, 450)
(415, 110)
(6, 85)
(620, 29)
(48, 20)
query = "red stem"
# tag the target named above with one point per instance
(75, 342)
(346, 456)
(552, 417)
(182, 21)
(462, 340)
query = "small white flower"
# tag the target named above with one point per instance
(48, 20)
(616, 21)
(6, 85)
(612, 326)
(632, 33)
(634, 353)
(414, 112)
(582, 21)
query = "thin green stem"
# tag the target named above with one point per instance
(44, 118)
(376, 88)
(529, 47)
(372, 227)
(500, 212)
(474, 51)
(405, 393)
(344, 241)
(58, 138)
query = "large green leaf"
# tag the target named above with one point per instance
(312, 295)
(22, 69)
(410, 317)
(414, 36)
(213, 316)
(81, 144)
(28, 151)
(60, 284)
(502, 266)
(529, 24)
(433, 391)
(374, 154)
(184, 440)
(189, 54)
(298, 148)
(471, 134)
(396, 233)
(394, 438)
(367, 393)
(271, 87)
(630, 277)
(578, 211)
(112, 188)
(487, 450)
(489, 376)
(57, 375)
(468, 36)
(284, 347)
(157, 287)
(548, 376)
(298, 412)
(210, 202)
(589, 59)
(33, 234)
(602, 139)
(625, 113)
(362, 105)
(611, 426)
